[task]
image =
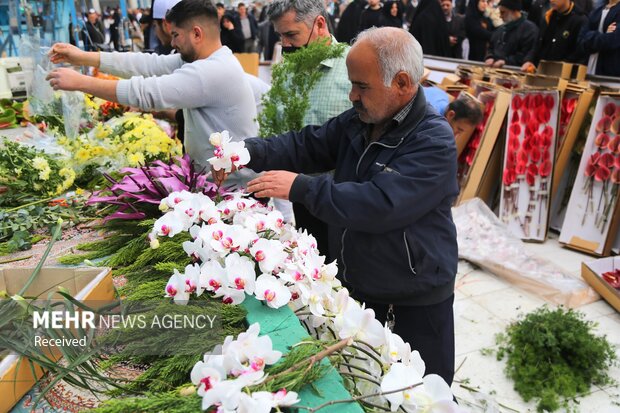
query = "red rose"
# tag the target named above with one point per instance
(525, 116)
(614, 144)
(515, 129)
(617, 162)
(549, 101)
(602, 140)
(606, 160)
(520, 168)
(515, 117)
(516, 102)
(603, 124)
(531, 179)
(510, 176)
(532, 169)
(513, 143)
(511, 159)
(545, 168)
(538, 101)
(535, 154)
(602, 173)
(522, 157)
(609, 109)
(543, 115)
(615, 176)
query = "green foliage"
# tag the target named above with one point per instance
(169, 402)
(287, 102)
(26, 170)
(553, 355)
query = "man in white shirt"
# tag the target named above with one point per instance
(203, 78)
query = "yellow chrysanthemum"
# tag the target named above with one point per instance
(82, 155)
(39, 163)
(135, 159)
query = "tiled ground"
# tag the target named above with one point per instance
(484, 305)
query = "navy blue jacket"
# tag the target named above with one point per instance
(387, 204)
(606, 44)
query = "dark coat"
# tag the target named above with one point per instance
(607, 45)
(513, 42)
(387, 205)
(559, 39)
(370, 18)
(430, 28)
(479, 30)
(349, 25)
(232, 38)
(456, 28)
(387, 19)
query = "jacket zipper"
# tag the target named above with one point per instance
(408, 254)
(344, 264)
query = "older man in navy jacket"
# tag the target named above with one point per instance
(388, 202)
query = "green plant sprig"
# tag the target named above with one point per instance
(553, 356)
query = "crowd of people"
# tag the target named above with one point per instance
(497, 32)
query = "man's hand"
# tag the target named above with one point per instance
(66, 79)
(499, 63)
(272, 184)
(228, 25)
(67, 53)
(611, 28)
(489, 62)
(528, 67)
(453, 40)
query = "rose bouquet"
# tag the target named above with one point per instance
(528, 162)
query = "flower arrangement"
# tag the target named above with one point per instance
(612, 278)
(528, 162)
(131, 140)
(138, 193)
(468, 155)
(234, 240)
(28, 171)
(567, 108)
(602, 169)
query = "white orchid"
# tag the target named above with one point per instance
(228, 153)
(173, 199)
(193, 280)
(281, 398)
(176, 288)
(171, 224)
(269, 254)
(240, 273)
(214, 276)
(272, 291)
(205, 375)
(361, 325)
(230, 238)
(395, 349)
(398, 377)
(196, 251)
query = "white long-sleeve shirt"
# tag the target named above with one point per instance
(214, 94)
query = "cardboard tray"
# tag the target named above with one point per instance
(591, 272)
(16, 377)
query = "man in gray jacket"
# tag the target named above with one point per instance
(203, 78)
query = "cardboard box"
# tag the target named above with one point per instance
(579, 73)
(525, 194)
(557, 69)
(473, 181)
(584, 101)
(593, 214)
(591, 272)
(542, 81)
(93, 284)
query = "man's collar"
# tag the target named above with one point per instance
(402, 114)
(330, 62)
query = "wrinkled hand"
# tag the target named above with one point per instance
(611, 28)
(66, 53)
(528, 67)
(489, 62)
(499, 63)
(272, 184)
(220, 176)
(66, 79)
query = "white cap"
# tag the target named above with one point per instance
(161, 7)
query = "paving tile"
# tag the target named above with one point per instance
(478, 282)
(475, 328)
(508, 304)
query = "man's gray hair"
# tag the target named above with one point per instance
(305, 10)
(396, 53)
